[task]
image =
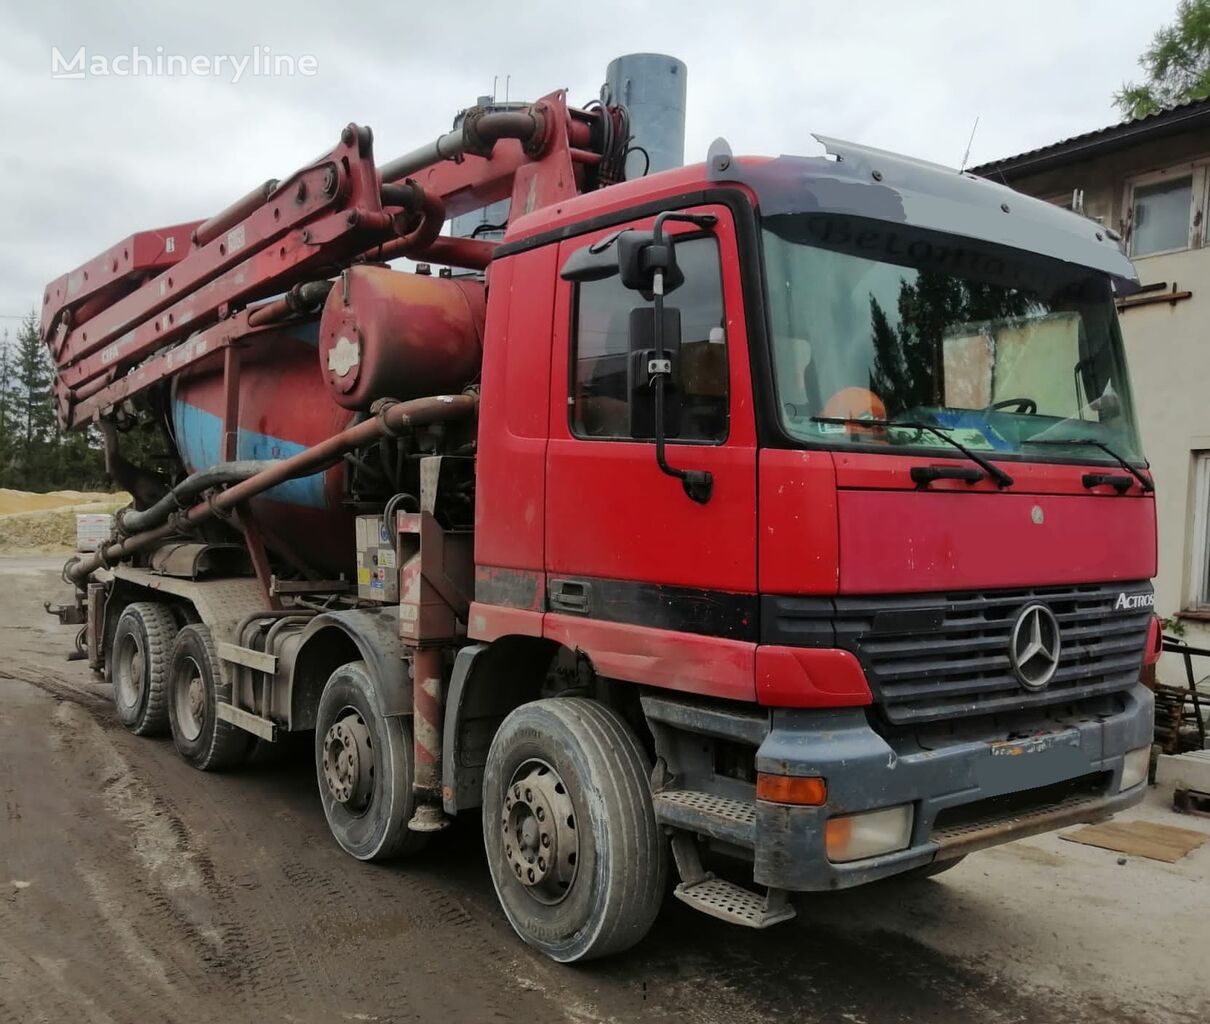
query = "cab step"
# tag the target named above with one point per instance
(735, 904)
(708, 814)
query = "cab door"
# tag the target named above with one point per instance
(632, 563)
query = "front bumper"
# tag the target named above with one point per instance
(965, 793)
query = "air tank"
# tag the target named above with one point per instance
(652, 87)
(386, 334)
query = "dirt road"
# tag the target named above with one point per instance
(133, 888)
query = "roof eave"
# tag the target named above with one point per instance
(1107, 140)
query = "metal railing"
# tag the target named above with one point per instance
(1174, 703)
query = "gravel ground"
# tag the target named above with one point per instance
(133, 888)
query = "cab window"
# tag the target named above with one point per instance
(600, 357)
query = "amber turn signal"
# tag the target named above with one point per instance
(791, 789)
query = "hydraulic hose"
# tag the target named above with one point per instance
(390, 418)
(130, 521)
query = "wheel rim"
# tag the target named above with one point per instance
(189, 696)
(538, 830)
(348, 761)
(130, 672)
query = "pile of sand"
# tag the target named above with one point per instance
(47, 522)
(28, 501)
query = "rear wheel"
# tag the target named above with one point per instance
(363, 761)
(196, 686)
(576, 857)
(138, 666)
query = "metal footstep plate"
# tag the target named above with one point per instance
(732, 903)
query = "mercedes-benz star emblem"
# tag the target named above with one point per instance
(1034, 647)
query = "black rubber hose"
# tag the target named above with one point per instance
(129, 521)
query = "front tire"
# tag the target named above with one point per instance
(138, 667)
(363, 761)
(196, 685)
(576, 856)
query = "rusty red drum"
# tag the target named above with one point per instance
(389, 334)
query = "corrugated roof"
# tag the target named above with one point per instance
(1115, 136)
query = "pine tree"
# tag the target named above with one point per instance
(7, 417)
(35, 418)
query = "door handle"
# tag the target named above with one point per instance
(922, 476)
(570, 596)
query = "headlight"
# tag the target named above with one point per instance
(1135, 766)
(856, 836)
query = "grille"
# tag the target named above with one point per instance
(938, 656)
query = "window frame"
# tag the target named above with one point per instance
(1199, 171)
(573, 339)
(1197, 599)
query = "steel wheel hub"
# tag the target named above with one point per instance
(197, 698)
(189, 698)
(130, 671)
(539, 832)
(348, 761)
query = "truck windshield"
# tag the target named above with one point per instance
(1000, 348)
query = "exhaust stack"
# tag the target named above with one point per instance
(652, 87)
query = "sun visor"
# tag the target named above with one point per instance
(862, 182)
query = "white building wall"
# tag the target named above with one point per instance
(1168, 345)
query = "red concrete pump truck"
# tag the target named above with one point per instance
(782, 521)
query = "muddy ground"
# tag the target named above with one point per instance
(135, 889)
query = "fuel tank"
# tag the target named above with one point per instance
(384, 333)
(284, 407)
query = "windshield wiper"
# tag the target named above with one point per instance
(1144, 483)
(990, 468)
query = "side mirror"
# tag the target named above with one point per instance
(635, 255)
(592, 263)
(641, 256)
(646, 363)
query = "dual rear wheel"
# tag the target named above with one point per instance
(168, 679)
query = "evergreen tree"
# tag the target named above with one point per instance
(6, 410)
(35, 452)
(35, 418)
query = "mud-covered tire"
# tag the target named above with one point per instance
(371, 825)
(138, 661)
(576, 750)
(195, 685)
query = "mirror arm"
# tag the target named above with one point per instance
(698, 483)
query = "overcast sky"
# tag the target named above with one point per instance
(86, 162)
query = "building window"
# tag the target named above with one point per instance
(602, 365)
(1164, 210)
(1199, 590)
(1161, 216)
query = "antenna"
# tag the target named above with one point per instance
(507, 82)
(966, 155)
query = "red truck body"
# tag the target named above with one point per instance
(843, 621)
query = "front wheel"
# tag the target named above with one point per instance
(576, 857)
